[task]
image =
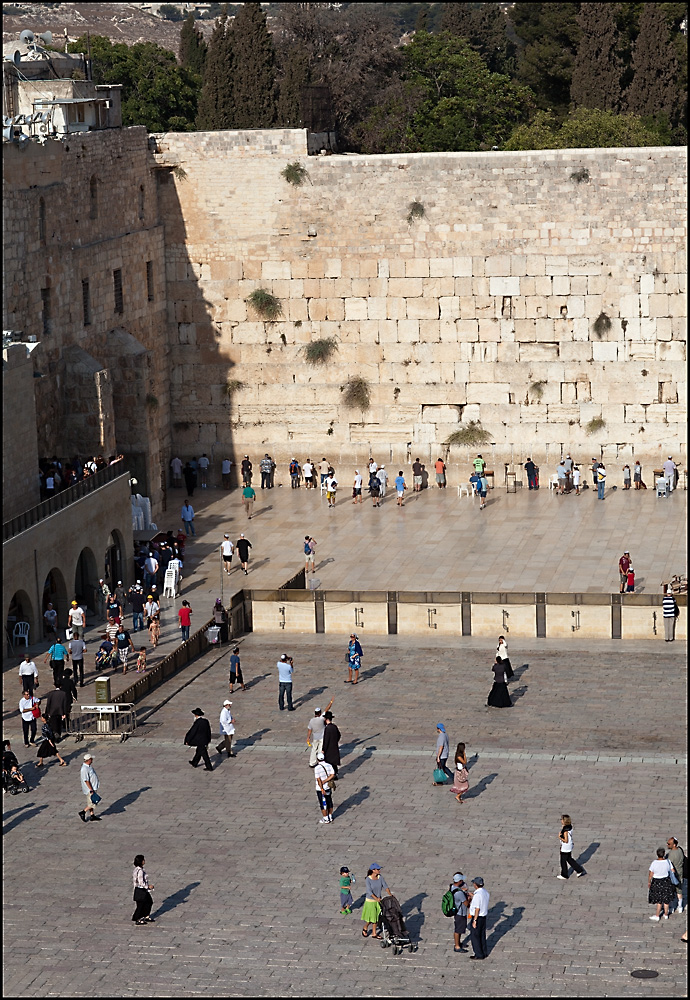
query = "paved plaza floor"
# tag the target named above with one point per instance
(246, 897)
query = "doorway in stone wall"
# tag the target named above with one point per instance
(55, 593)
(20, 609)
(86, 580)
(114, 559)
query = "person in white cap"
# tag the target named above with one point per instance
(315, 734)
(669, 469)
(285, 669)
(459, 890)
(323, 774)
(89, 786)
(226, 550)
(227, 729)
(382, 477)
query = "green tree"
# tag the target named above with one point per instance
(422, 21)
(654, 89)
(254, 88)
(550, 34)
(597, 70)
(156, 92)
(484, 28)
(169, 12)
(294, 76)
(584, 128)
(193, 48)
(216, 104)
(447, 100)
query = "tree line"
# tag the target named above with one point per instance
(468, 76)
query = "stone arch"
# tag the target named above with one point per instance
(86, 579)
(55, 593)
(116, 568)
(21, 609)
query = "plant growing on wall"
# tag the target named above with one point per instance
(294, 173)
(601, 325)
(180, 173)
(357, 393)
(595, 424)
(234, 385)
(580, 175)
(267, 306)
(415, 210)
(152, 401)
(318, 352)
(536, 389)
(472, 435)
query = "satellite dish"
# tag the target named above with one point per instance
(17, 57)
(26, 36)
(47, 37)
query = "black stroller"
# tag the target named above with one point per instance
(13, 779)
(392, 924)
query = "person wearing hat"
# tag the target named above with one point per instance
(199, 736)
(315, 734)
(354, 659)
(382, 477)
(227, 729)
(669, 470)
(226, 549)
(479, 910)
(376, 886)
(331, 741)
(89, 786)
(442, 751)
(460, 896)
(346, 882)
(285, 671)
(324, 776)
(246, 471)
(623, 567)
(76, 617)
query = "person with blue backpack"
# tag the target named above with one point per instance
(309, 549)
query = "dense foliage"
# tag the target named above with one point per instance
(395, 77)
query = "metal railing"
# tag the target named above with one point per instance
(28, 518)
(169, 665)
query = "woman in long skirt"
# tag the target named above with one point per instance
(371, 911)
(498, 695)
(461, 781)
(47, 746)
(502, 655)
(142, 892)
(662, 891)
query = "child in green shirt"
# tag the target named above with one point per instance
(346, 880)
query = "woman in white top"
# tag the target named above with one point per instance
(566, 841)
(661, 889)
(502, 654)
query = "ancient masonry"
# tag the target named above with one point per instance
(541, 294)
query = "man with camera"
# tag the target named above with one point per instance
(285, 671)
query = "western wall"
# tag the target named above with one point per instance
(537, 292)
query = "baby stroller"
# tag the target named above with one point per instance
(13, 779)
(106, 659)
(392, 924)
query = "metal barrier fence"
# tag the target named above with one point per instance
(171, 664)
(104, 720)
(28, 518)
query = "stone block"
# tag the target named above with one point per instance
(462, 267)
(504, 286)
(342, 288)
(659, 305)
(349, 267)
(480, 286)
(417, 267)
(378, 288)
(536, 265)
(368, 268)
(441, 267)
(561, 284)
(578, 352)
(646, 284)
(450, 307)
(369, 331)
(556, 265)
(508, 353)
(531, 353)
(388, 331)
(312, 288)
(297, 310)
(396, 267)
(335, 309)
(356, 309)
(396, 308)
(498, 265)
(448, 331)
(525, 330)
(376, 308)
(408, 331)
(604, 351)
(316, 268)
(489, 330)
(467, 329)
(405, 287)
(675, 350)
(422, 308)
(332, 268)
(275, 269)
(429, 331)
(317, 309)
(536, 306)
(463, 286)
(431, 288)
(249, 333)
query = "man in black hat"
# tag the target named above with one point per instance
(331, 739)
(199, 736)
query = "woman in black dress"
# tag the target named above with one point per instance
(142, 892)
(48, 747)
(498, 695)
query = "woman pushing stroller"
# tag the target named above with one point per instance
(371, 911)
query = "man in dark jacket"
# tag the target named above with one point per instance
(57, 708)
(70, 688)
(199, 736)
(331, 739)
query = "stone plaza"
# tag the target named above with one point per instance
(246, 900)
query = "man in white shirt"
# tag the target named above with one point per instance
(89, 786)
(176, 466)
(308, 470)
(323, 773)
(331, 487)
(150, 569)
(479, 909)
(187, 515)
(26, 704)
(76, 617)
(225, 467)
(315, 734)
(50, 619)
(226, 550)
(285, 671)
(203, 470)
(28, 674)
(357, 487)
(227, 729)
(382, 477)
(669, 468)
(372, 467)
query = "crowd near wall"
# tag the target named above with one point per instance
(534, 292)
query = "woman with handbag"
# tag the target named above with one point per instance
(461, 781)
(48, 747)
(142, 892)
(660, 884)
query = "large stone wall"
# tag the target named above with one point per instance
(19, 453)
(76, 211)
(456, 314)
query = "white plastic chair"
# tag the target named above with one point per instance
(21, 631)
(170, 584)
(553, 482)
(467, 489)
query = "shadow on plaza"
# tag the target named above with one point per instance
(355, 799)
(517, 674)
(26, 811)
(366, 755)
(249, 741)
(256, 680)
(476, 790)
(312, 693)
(588, 852)
(176, 899)
(324, 562)
(120, 805)
(499, 922)
(366, 675)
(518, 693)
(414, 921)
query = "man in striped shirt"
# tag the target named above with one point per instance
(670, 609)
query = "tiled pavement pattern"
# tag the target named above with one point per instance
(246, 879)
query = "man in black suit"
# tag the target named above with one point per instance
(199, 736)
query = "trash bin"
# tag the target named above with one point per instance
(102, 690)
(212, 633)
(510, 482)
(314, 583)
